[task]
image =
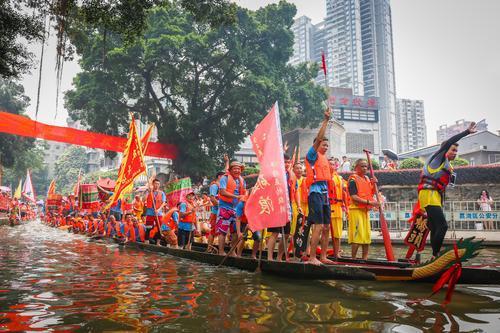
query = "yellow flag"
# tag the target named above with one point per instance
(17, 194)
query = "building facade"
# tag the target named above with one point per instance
(356, 38)
(444, 132)
(302, 29)
(410, 120)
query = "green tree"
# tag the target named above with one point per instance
(26, 21)
(458, 161)
(204, 87)
(411, 163)
(67, 167)
(94, 176)
(31, 159)
(13, 100)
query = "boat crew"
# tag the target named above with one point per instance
(154, 200)
(213, 192)
(437, 174)
(361, 191)
(241, 226)
(232, 188)
(337, 206)
(317, 177)
(187, 222)
(138, 207)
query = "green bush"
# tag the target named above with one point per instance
(411, 163)
(459, 162)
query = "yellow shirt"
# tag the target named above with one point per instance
(336, 206)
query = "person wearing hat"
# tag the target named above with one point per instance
(232, 188)
(187, 223)
(213, 192)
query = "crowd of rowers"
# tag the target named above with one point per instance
(316, 191)
(21, 211)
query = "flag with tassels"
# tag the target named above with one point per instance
(132, 165)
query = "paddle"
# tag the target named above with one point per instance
(383, 223)
(234, 246)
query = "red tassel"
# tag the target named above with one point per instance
(449, 277)
(323, 62)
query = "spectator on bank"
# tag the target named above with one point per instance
(346, 165)
(485, 202)
(388, 164)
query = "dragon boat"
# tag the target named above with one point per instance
(343, 268)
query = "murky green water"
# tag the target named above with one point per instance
(54, 281)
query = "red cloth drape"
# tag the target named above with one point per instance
(23, 126)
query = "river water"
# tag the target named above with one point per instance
(54, 281)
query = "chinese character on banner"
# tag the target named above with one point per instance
(371, 102)
(332, 100)
(267, 205)
(356, 101)
(344, 101)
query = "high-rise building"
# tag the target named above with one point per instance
(444, 132)
(410, 120)
(356, 37)
(302, 29)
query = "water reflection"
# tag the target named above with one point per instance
(51, 280)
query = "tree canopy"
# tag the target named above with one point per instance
(204, 87)
(67, 167)
(29, 21)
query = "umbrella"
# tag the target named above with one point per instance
(389, 153)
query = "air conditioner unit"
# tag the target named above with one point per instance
(481, 147)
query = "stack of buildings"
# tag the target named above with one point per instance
(356, 38)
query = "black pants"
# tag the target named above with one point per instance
(438, 227)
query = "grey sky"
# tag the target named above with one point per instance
(446, 53)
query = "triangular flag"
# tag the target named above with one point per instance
(17, 193)
(28, 191)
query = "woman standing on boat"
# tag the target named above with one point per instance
(437, 173)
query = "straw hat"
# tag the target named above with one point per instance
(236, 164)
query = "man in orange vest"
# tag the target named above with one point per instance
(154, 199)
(361, 191)
(232, 188)
(337, 206)
(138, 207)
(318, 175)
(214, 199)
(187, 223)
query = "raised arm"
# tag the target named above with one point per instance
(322, 130)
(438, 157)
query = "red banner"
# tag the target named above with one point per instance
(23, 126)
(268, 205)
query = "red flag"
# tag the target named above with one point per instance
(132, 165)
(268, 205)
(323, 62)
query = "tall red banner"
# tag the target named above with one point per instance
(268, 205)
(23, 126)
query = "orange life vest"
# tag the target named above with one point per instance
(189, 218)
(100, 227)
(158, 199)
(168, 220)
(320, 171)
(365, 190)
(231, 188)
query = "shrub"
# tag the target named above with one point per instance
(411, 163)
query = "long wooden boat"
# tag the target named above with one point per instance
(344, 269)
(297, 270)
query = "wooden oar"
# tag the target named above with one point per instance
(234, 246)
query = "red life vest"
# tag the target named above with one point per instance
(100, 227)
(158, 196)
(231, 188)
(365, 190)
(142, 232)
(320, 171)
